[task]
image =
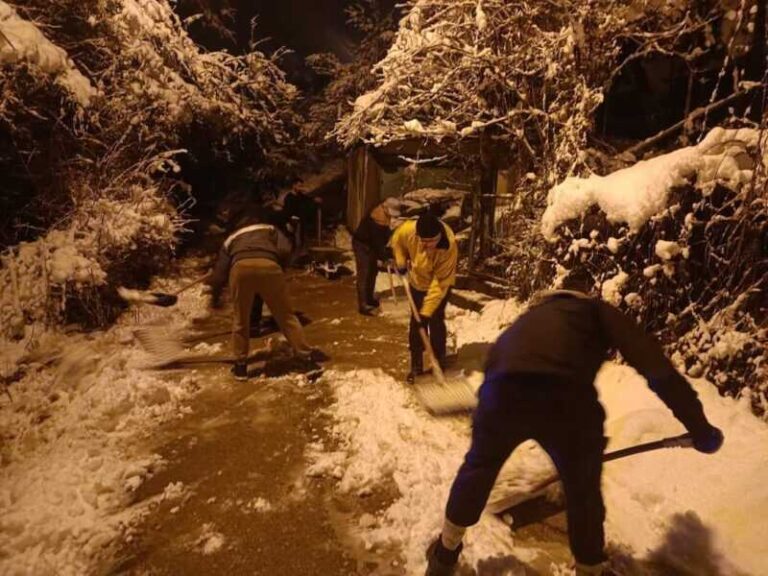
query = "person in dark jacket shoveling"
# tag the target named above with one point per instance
(251, 261)
(369, 243)
(539, 384)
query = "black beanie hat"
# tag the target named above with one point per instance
(428, 226)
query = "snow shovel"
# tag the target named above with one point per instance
(157, 298)
(501, 504)
(168, 350)
(441, 398)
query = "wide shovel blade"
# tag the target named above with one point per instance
(452, 396)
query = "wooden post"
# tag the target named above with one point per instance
(474, 229)
(487, 190)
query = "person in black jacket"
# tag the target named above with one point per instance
(251, 261)
(369, 243)
(539, 384)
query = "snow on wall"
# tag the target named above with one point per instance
(635, 194)
(23, 41)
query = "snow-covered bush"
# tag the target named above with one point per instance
(680, 242)
(99, 104)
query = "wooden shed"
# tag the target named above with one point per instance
(478, 160)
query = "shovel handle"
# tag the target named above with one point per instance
(436, 369)
(682, 441)
(391, 283)
(193, 283)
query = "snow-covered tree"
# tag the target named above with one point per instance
(531, 74)
(98, 101)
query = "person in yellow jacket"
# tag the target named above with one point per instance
(430, 247)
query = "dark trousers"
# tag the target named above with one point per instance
(569, 427)
(435, 328)
(367, 270)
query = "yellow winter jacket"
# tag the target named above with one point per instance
(433, 274)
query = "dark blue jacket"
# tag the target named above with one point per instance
(568, 336)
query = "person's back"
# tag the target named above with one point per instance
(568, 335)
(562, 336)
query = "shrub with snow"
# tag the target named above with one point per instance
(99, 101)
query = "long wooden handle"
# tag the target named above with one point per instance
(391, 283)
(436, 369)
(193, 283)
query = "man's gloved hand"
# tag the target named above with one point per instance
(708, 440)
(424, 321)
(401, 271)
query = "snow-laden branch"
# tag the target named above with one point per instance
(22, 41)
(531, 74)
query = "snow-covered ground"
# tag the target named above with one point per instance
(677, 506)
(70, 454)
(73, 457)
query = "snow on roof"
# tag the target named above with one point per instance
(22, 41)
(635, 194)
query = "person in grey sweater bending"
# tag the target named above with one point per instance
(251, 260)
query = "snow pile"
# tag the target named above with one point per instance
(637, 193)
(694, 511)
(23, 41)
(210, 541)
(482, 326)
(383, 436)
(69, 466)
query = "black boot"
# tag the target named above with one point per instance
(416, 370)
(240, 371)
(440, 560)
(367, 310)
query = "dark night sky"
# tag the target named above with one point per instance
(304, 26)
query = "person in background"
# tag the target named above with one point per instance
(252, 260)
(430, 248)
(369, 243)
(539, 385)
